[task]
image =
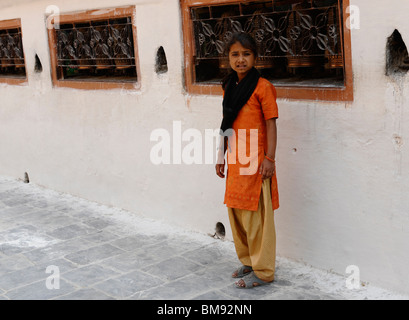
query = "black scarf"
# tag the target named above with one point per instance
(236, 96)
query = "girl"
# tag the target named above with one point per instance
(249, 106)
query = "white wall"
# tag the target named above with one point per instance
(342, 192)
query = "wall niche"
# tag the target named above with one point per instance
(397, 58)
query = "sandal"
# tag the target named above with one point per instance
(250, 280)
(241, 271)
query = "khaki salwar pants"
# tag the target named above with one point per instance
(254, 235)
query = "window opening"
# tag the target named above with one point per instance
(300, 42)
(12, 63)
(97, 51)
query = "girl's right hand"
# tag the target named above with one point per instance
(220, 169)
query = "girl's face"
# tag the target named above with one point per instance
(241, 59)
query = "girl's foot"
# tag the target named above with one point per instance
(250, 281)
(242, 271)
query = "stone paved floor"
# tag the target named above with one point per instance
(56, 246)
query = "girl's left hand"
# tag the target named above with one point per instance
(267, 169)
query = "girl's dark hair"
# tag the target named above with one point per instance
(247, 41)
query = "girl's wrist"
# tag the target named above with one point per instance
(270, 159)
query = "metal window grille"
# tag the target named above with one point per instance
(97, 50)
(12, 62)
(299, 41)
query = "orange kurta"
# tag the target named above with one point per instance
(247, 148)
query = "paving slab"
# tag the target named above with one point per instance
(173, 268)
(39, 291)
(87, 276)
(184, 288)
(84, 294)
(13, 263)
(58, 249)
(94, 254)
(129, 286)
(31, 274)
